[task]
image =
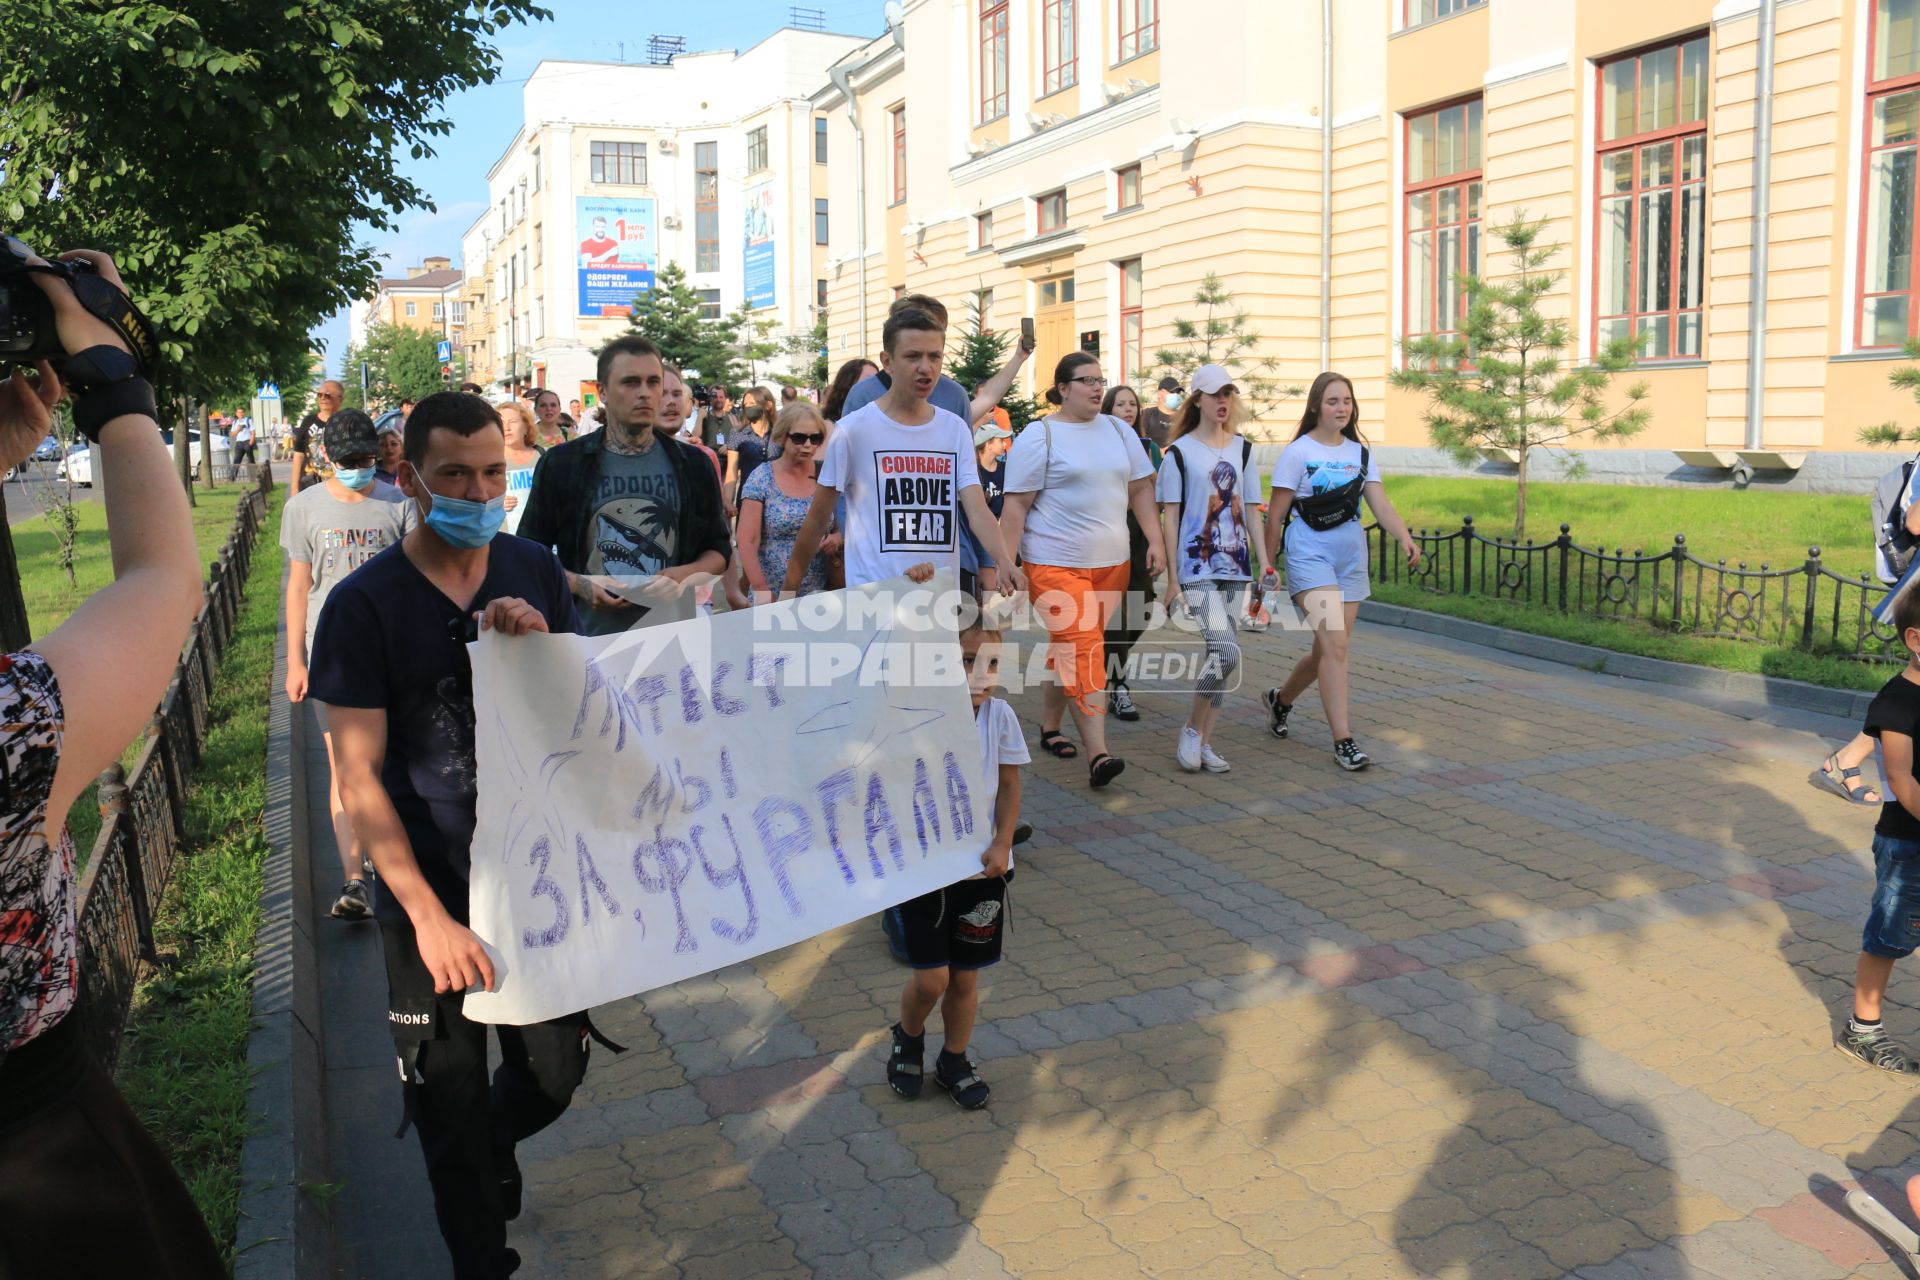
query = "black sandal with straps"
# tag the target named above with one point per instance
(1055, 744)
(1103, 769)
(906, 1070)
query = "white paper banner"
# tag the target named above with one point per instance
(662, 803)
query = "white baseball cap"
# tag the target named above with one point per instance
(1210, 379)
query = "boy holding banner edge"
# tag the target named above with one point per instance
(951, 934)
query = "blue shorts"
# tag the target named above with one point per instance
(1893, 925)
(1336, 558)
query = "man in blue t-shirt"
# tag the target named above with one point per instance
(390, 661)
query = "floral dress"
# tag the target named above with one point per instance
(38, 967)
(780, 521)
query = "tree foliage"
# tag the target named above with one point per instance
(1222, 336)
(979, 353)
(806, 350)
(1502, 384)
(224, 152)
(1907, 378)
(668, 315)
(403, 363)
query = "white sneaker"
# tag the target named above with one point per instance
(1188, 752)
(1211, 761)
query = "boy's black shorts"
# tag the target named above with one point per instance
(958, 927)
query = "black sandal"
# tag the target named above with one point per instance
(1103, 769)
(968, 1091)
(906, 1071)
(1055, 744)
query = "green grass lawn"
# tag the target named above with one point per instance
(42, 582)
(183, 1064)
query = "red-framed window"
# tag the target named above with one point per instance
(1060, 52)
(1443, 215)
(1139, 28)
(1419, 11)
(899, 114)
(1051, 210)
(1888, 312)
(1650, 193)
(1126, 187)
(1132, 321)
(993, 59)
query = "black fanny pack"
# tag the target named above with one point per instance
(1330, 510)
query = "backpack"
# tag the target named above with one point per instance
(1890, 517)
(1330, 510)
(1180, 465)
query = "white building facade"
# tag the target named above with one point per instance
(619, 169)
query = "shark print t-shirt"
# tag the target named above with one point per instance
(636, 518)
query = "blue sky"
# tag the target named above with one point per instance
(485, 118)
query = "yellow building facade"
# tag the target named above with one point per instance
(1338, 163)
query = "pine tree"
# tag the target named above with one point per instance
(1222, 336)
(1907, 378)
(979, 353)
(668, 315)
(1501, 384)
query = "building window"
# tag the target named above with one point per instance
(899, 115)
(411, 309)
(756, 149)
(621, 162)
(820, 295)
(1057, 291)
(819, 221)
(1887, 310)
(983, 230)
(1139, 27)
(709, 304)
(706, 206)
(1651, 200)
(539, 244)
(1052, 209)
(539, 317)
(1132, 322)
(1443, 216)
(1419, 11)
(439, 311)
(993, 59)
(1060, 57)
(536, 168)
(819, 139)
(1127, 187)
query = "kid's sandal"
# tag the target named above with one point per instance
(968, 1091)
(906, 1069)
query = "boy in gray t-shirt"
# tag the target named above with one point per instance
(328, 530)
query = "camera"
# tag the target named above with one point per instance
(26, 314)
(702, 393)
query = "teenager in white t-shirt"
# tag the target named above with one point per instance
(951, 934)
(1328, 466)
(1203, 492)
(908, 474)
(1072, 477)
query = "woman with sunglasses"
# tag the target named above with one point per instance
(1072, 479)
(774, 504)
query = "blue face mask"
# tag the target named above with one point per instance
(355, 478)
(461, 522)
(1174, 399)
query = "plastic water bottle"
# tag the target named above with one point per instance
(1269, 585)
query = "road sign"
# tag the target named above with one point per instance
(267, 392)
(445, 352)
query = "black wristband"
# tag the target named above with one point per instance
(96, 408)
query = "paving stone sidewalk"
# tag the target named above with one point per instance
(1549, 991)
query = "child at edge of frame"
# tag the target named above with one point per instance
(1893, 919)
(950, 934)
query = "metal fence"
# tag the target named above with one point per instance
(1807, 606)
(143, 815)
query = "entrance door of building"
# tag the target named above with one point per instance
(1053, 330)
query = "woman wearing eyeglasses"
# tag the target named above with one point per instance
(1072, 478)
(774, 504)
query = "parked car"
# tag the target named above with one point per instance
(50, 450)
(77, 466)
(222, 450)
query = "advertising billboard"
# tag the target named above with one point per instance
(758, 261)
(617, 242)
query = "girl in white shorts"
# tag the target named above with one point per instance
(1319, 484)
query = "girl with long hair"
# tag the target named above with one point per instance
(851, 373)
(1319, 483)
(1071, 479)
(1130, 619)
(1202, 491)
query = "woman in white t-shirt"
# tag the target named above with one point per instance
(1209, 536)
(1320, 482)
(523, 451)
(1072, 477)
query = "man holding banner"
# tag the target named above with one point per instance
(390, 662)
